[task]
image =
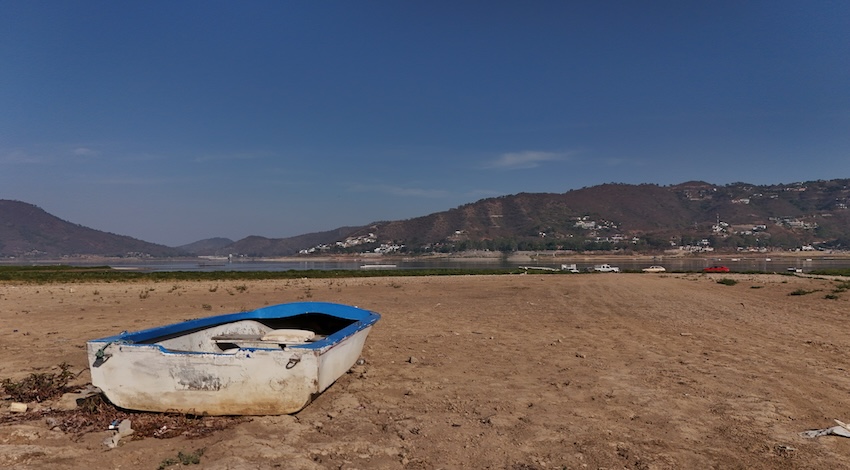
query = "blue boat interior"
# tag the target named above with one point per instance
(310, 325)
(250, 333)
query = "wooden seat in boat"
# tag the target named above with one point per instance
(280, 337)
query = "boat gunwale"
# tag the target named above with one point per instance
(362, 318)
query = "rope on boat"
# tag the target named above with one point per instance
(101, 356)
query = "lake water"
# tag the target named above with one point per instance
(672, 264)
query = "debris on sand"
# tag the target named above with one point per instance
(842, 430)
(122, 429)
(94, 414)
(71, 400)
(17, 407)
(39, 387)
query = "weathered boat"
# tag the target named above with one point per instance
(269, 361)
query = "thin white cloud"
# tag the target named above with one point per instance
(46, 154)
(163, 180)
(142, 157)
(20, 157)
(399, 191)
(227, 157)
(620, 161)
(523, 160)
(134, 181)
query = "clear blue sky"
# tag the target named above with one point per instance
(174, 121)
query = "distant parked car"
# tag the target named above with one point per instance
(606, 268)
(654, 269)
(716, 269)
(570, 268)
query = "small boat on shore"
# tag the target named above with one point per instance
(378, 266)
(269, 361)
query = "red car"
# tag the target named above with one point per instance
(716, 269)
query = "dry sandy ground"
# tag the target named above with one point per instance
(516, 371)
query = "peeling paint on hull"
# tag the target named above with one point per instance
(184, 367)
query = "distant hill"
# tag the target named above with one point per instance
(28, 231)
(695, 216)
(209, 246)
(261, 246)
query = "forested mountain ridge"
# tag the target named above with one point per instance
(694, 215)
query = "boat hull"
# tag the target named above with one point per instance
(179, 368)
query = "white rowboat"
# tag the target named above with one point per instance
(268, 361)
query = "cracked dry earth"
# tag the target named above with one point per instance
(599, 371)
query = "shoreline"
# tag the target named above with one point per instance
(476, 257)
